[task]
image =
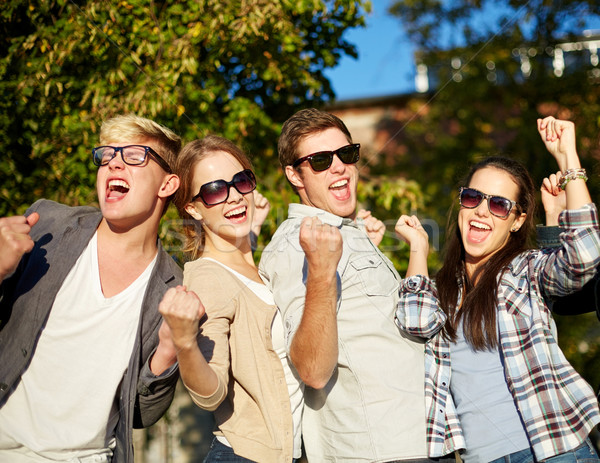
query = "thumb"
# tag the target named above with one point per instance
(33, 218)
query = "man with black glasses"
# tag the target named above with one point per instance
(79, 321)
(364, 396)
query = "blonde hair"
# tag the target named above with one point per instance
(191, 154)
(129, 126)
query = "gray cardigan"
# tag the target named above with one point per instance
(26, 298)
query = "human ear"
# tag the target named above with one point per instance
(294, 177)
(191, 210)
(518, 223)
(169, 186)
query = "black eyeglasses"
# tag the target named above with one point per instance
(133, 155)
(497, 205)
(322, 160)
(217, 192)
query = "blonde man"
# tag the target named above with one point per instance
(79, 292)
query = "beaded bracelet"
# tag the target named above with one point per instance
(572, 174)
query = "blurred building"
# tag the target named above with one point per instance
(562, 58)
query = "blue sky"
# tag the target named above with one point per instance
(385, 65)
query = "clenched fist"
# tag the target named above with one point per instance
(15, 241)
(182, 310)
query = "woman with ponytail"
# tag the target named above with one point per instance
(233, 363)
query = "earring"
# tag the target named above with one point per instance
(514, 230)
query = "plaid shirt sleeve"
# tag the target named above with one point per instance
(568, 267)
(418, 312)
(558, 408)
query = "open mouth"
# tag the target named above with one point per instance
(339, 184)
(478, 231)
(341, 189)
(238, 213)
(117, 189)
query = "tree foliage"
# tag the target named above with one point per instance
(237, 69)
(435, 25)
(481, 103)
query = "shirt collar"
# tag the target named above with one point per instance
(301, 210)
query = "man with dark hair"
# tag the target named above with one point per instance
(364, 396)
(79, 321)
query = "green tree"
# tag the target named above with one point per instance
(482, 101)
(435, 25)
(235, 68)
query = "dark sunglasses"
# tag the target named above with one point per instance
(497, 205)
(217, 192)
(133, 155)
(322, 160)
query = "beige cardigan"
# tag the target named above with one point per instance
(251, 404)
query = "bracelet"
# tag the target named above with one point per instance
(572, 174)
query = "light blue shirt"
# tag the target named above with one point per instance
(485, 407)
(373, 408)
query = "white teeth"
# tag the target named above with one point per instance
(237, 211)
(339, 184)
(118, 183)
(480, 225)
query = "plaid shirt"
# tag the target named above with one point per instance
(557, 407)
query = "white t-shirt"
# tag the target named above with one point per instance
(65, 405)
(294, 384)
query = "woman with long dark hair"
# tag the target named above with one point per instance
(497, 384)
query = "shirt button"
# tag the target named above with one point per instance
(3, 386)
(24, 352)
